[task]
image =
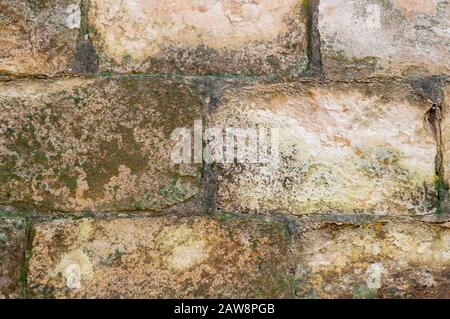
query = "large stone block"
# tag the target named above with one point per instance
(12, 251)
(200, 37)
(39, 36)
(166, 257)
(95, 144)
(344, 148)
(385, 259)
(368, 38)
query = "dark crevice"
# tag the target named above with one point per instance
(209, 189)
(432, 120)
(209, 186)
(85, 60)
(205, 200)
(432, 90)
(23, 278)
(313, 38)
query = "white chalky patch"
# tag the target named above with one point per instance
(186, 256)
(373, 19)
(374, 275)
(72, 274)
(73, 20)
(74, 266)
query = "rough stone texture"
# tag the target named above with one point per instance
(12, 249)
(95, 144)
(356, 205)
(200, 37)
(401, 259)
(384, 37)
(159, 257)
(38, 36)
(344, 148)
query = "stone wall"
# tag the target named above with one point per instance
(92, 206)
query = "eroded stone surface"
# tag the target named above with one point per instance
(342, 148)
(384, 38)
(159, 257)
(95, 144)
(38, 37)
(12, 248)
(401, 259)
(238, 36)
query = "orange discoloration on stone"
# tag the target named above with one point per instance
(413, 8)
(159, 258)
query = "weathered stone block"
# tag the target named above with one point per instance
(12, 250)
(370, 38)
(38, 37)
(200, 37)
(95, 144)
(386, 259)
(159, 258)
(364, 148)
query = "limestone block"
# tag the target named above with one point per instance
(165, 257)
(87, 144)
(390, 259)
(371, 38)
(38, 37)
(343, 148)
(200, 36)
(13, 243)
